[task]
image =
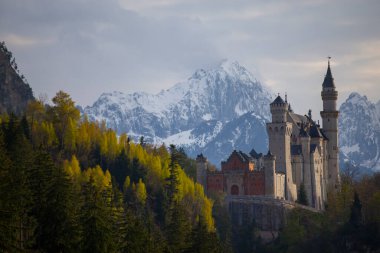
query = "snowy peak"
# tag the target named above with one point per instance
(359, 135)
(233, 68)
(221, 93)
(193, 112)
(357, 100)
(225, 69)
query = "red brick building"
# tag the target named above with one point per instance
(238, 176)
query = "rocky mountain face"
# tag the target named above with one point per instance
(359, 136)
(15, 92)
(215, 111)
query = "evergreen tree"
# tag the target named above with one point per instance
(59, 224)
(15, 190)
(201, 240)
(178, 228)
(40, 177)
(96, 221)
(356, 211)
(7, 236)
(302, 197)
(173, 180)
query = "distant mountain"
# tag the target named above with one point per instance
(215, 111)
(15, 92)
(359, 136)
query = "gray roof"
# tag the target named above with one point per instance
(324, 135)
(303, 133)
(315, 132)
(329, 80)
(298, 118)
(278, 100)
(269, 154)
(254, 154)
(243, 156)
(313, 147)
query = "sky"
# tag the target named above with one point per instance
(87, 47)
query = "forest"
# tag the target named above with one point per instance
(71, 185)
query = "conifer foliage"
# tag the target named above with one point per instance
(70, 185)
(302, 197)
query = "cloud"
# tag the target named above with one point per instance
(27, 41)
(148, 45)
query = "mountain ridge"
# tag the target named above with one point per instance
(359, 136)
(197, 108)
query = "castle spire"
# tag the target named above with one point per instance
(329, 80)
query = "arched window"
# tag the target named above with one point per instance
(234, 190)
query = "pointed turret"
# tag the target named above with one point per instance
(329, 80)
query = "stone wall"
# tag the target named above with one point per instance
(268, 213)
(254, 183)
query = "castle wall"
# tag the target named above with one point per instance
(279, 144)
(297, 166)
(307, 170)
(233, 180)
(254, 183)
(280, 185)
(317, 168)
(215, 182)
(269, 169)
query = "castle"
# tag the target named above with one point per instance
(301, 154)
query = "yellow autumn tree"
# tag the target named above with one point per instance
(141, 193)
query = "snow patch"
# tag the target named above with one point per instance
(207, 116)
(349, 150)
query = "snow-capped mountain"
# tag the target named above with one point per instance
(211, 112)
(359, 136)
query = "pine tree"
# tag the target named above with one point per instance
(356, 211)
(173, 180)
(201, 240)
(178, 228)
(16, 195)
(39, 180)
(96, 221)
(7, 236)
(302, 197)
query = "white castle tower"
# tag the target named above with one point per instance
(279, 132)
(330, 127)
